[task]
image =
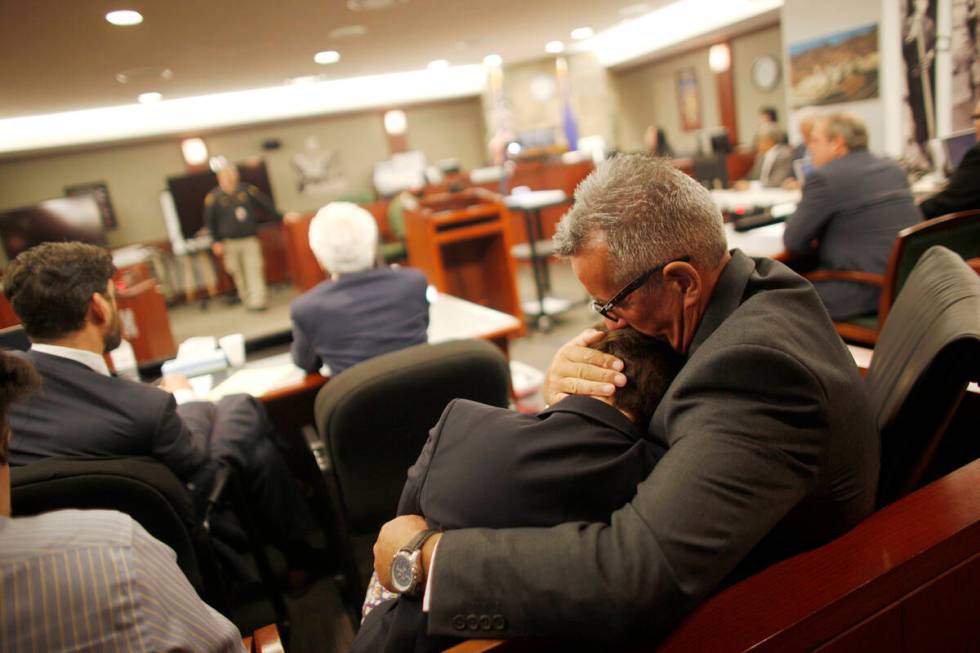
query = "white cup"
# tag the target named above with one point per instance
(234, 348)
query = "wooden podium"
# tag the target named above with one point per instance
(461, 241)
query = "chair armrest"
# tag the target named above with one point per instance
(857, 276)
(266, 640)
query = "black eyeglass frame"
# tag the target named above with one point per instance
(632, 286)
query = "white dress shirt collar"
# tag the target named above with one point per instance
(87, 358)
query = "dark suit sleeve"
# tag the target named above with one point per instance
(815, 210)
(745, 449)
(302, 350)
(963, 191)
(182, 436)
(410, 502)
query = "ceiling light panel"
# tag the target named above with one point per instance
(327, 57)
(124, 17)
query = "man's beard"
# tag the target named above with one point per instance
(113, 336)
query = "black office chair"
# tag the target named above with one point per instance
(143, 488)
(926, 355)
(14, 338)
(373, 419)
(148, 491)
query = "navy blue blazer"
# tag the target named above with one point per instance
(359, 316)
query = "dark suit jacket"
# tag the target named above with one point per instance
(578, 460)
(854, 207)
(359, 316)
(963, 191)
(771, 447)
(79, 413)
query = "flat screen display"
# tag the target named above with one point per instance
(957, 145)
(189, 192)
(57, 220)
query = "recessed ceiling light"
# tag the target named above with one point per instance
(554, 47)
(149, 98)
(395, 122)
(327, 56)
(438, 64)
(492, 60)
(124, 17)
(582, 33)
(347, 31)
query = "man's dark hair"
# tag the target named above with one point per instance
(650, 366)
(17, 378)
(771, 113)
(50, 286)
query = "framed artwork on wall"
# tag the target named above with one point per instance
(99, 191)
(688, 99)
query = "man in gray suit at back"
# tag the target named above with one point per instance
(853, 206)
(771, 447)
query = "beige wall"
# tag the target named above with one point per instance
(137, 172)
(748, 98)
(647, 94)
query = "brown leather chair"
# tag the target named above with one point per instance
(960, 232)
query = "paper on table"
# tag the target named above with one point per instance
(257, 382)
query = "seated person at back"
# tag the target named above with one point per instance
(773, 159)
(99, 581)
(852, 208)
(65, 298)
(489, 467)
(362, 310)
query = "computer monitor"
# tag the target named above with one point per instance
(955, 147)
(56, 220)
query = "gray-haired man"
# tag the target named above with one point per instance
(770, 448)
(853, 206)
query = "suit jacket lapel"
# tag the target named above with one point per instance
(726, 297)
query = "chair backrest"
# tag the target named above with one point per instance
(14, 338)
(144, 489)
(375, 416)
(927, 353)
(960, 232)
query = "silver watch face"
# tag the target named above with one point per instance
(402, 571)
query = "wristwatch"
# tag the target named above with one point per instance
(406, 566)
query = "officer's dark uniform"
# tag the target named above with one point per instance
(230, 217)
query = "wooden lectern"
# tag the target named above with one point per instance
(461, 241)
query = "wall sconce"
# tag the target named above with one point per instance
(719, 58)
(395, 122)
(195, 152)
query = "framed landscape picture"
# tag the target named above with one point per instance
(100, 192)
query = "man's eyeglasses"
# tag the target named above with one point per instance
(975, 116)
(628, 289)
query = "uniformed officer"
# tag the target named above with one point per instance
(229, 214)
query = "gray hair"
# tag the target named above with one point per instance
(849, 127)
(344, 238)
(646, 212)
(773, 132)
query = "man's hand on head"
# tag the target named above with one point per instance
(579, 370)
(393, 536)
(174, 382)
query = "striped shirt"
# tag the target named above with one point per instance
(95, 580)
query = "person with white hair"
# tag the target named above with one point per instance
(361, 310)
